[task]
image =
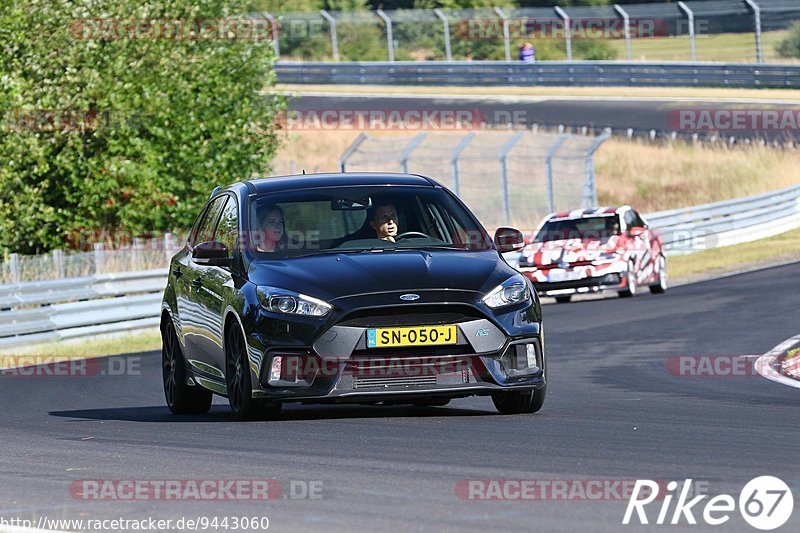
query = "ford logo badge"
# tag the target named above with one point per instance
(409, 297)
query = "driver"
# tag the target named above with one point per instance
(383, 219)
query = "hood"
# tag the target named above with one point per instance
(570, 250)
(331, 276)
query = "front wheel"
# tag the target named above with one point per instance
(519, 402)
(633, 287)
(662, 285)
(240, 389)
(181, 398)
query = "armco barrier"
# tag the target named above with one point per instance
(552, 73)
(61, 309)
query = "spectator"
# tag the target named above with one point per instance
(527, 53)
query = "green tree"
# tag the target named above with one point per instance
(789, 47)
(153, 122)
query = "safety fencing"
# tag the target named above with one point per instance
(51, 310)
(510, 178)
(560, 32)
(551, 73)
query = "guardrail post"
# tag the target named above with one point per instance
(590, 188)
(169, 246)
(334, 39)
(454, 161)
(410, 148)
(351, 150)
(504, 174)
(551, 202)
(506, 34)
(441, 15)
(757, 16)
(690, 15)
(389, 37)
(13, 265)
(568, 28)
(99, 257)
(626, 20)
(275, 45)
(58, 261)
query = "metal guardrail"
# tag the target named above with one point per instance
(50, 310)
(700, 227)
(550, 73)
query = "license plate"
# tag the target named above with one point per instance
(563, 275)
(416, 336)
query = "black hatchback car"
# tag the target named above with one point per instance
(368, 288)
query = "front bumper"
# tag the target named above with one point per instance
(578, 279)
(338, 366)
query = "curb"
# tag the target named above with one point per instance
(782, 363)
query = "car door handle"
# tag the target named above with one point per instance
(197, 282)
(177, 272)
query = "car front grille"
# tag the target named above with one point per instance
(406, 373)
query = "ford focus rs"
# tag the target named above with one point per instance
(592, 250)
(368, 288)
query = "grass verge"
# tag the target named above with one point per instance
(144, 340)
(687, 93)
(715, 262)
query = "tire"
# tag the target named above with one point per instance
(181, 398)
(433, 402)
(240, 388)
(563, 299)
(633, 288)
(519, 402)
(663, 282)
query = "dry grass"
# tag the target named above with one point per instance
(649, 177)
(144, 340)
(555, 92)
(711, 263)
(653, 177)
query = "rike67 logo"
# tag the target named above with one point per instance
(766, 503)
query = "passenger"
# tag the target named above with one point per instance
(273, 230)
(383, 219)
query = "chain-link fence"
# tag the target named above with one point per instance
(140, 254)
(506, 178)
(722, 30)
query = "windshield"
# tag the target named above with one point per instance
(589, 228)
(358, 219)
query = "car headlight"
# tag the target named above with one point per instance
(512, 291)
(291, 303)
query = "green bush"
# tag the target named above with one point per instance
(160, 121)
(789, 47)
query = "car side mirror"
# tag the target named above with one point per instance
(635, 231)
(508, 240)
(211, 253)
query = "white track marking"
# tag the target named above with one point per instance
(763, 365)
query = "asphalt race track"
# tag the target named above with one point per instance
(641, 115)
(613, 412)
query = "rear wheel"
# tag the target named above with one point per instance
(181, 398)
(633, 288)
(240, 389)
(519, 402)
(563, 299)
(662, 285)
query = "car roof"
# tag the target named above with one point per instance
(337, 179)
(590, 212)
